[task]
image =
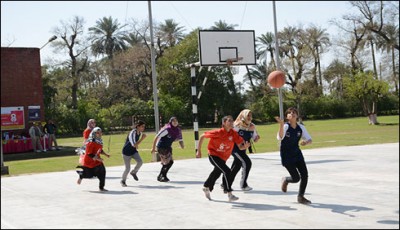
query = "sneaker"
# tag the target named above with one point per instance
(103, 190)
(134, 176)
(207, 193)
(123, 184)
(247, 188)
(232, 197)
(163, 179)
(284, 184)
(303, 200)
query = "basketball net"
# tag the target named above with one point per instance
(230, 61)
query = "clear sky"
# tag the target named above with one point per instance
(29, 23)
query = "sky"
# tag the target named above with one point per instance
(29, 23)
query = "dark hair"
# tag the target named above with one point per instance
(289, 110)
(139, 123)
(225, 118)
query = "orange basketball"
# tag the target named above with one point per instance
(276, 79)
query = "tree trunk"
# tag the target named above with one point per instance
(395, 79)
(373, 119)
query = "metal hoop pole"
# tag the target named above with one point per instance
(278, 64)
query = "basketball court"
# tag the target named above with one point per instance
(350, 187)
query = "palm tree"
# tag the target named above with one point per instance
(266, 43)
(392, 32)
(133, 39)
(317, 39)
(222, 25)
(288, 39)
(107, 37)
(170, 32)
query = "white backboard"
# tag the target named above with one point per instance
(216, 46)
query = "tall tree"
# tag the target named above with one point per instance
(374, 17)
(393, 33)
(70, 33)
(318, 41)
(266, 44)
(107, 37)
(222, 25)
(170, 32)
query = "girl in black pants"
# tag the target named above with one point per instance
(247, 130)
(292, 158)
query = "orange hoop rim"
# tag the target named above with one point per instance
(230, 61)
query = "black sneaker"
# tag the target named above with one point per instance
(103, 190)
(303, 200)
(123, 184)
(164, 179)
(134, 176)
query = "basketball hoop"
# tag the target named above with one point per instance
(230, 61)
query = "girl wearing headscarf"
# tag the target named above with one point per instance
(92, 162)
(90, 126)
(247, 130)
(86, 133)
(163, 140)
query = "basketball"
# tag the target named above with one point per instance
(276, 79)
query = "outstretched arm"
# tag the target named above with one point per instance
(198, 153)
(281, 123)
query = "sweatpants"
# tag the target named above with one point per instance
(220, 167)
(127, 162)
(298, 172)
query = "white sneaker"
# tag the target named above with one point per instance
(207, 192)
(232, 197)
(247, 188)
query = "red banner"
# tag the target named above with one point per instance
(12, 118)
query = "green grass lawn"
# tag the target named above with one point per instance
(325, 133)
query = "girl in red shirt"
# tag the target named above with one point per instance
(219, 150)
(92, 162)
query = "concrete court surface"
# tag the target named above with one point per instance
(353, 187)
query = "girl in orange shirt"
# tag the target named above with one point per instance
(92, 162)
(219, 150)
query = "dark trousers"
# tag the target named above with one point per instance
(241, 160)
(219, 167)
(298, 172)
(98, 171)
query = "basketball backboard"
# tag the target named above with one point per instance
(219, 47)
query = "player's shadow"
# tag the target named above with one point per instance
(325, 161)
(270, 193)
(158, 187)
(341, 209)
(187, 182)
(388, 222)
(255, 206)
(115, 192)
